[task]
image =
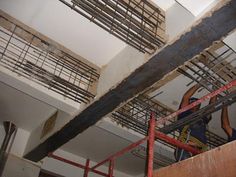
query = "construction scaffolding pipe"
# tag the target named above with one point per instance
(86, 168)
(151, 139)
(111, 167)
(176, 143)
(128, 148)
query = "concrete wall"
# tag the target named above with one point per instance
(230, 40)
(18, 167)
(27, 169)
(34, 139)
(67, 170)
(177, 20)
(38, 91)
(21, 138)
(123, 64)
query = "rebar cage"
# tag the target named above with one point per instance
(139, 23)
(32, 57)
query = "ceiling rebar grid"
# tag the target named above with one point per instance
(138, 23)
(35, 60)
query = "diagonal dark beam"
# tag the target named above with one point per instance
(202, 35)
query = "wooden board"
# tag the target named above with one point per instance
(219, 162)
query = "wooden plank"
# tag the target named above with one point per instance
(219, 162)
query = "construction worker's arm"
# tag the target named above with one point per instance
(225, 122)
(212, 100)
(189, 94)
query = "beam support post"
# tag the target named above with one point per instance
(151, 139)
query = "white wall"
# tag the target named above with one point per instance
(67, 170)
(230, 40)
(177, 20)
(38, 91)
(20, 141)
(35, 136)
(122, 65)
(18, 167)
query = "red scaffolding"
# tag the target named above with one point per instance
(152, 135)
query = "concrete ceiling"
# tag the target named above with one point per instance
(97, 144)
(25, 111)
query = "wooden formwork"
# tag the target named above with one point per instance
(219, 162)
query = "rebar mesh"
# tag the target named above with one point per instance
(138, 23)
(213, 69)
(33, 58)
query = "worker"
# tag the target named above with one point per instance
(231, 132)
(193, 135)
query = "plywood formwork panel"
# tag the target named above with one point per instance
(219, 162)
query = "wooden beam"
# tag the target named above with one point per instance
(219, 162)
(215, 25)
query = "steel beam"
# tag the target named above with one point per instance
(201, 36)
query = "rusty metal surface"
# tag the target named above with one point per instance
(210, 29)
(219, 162)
